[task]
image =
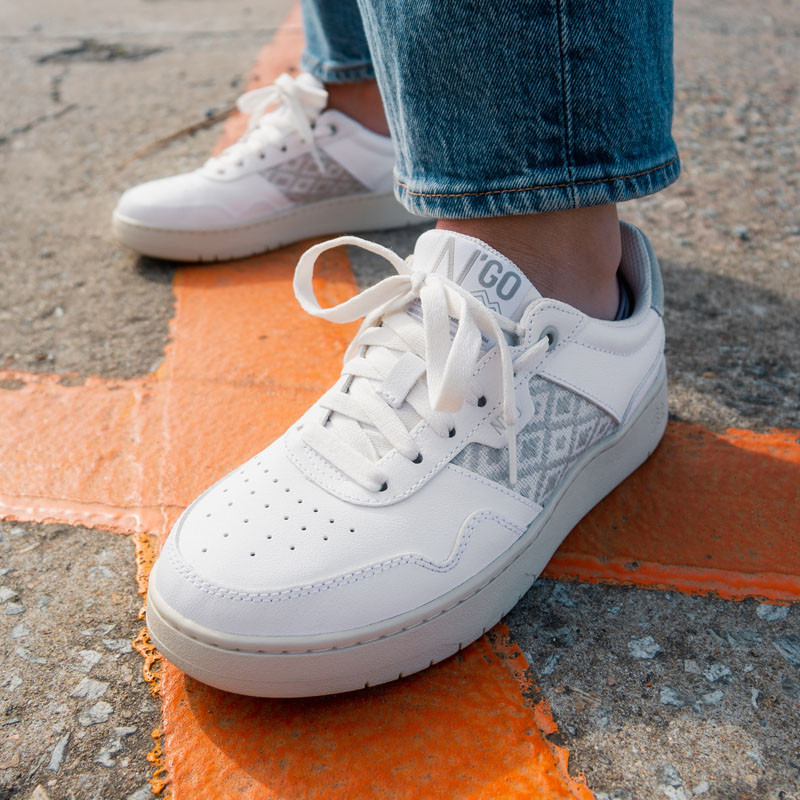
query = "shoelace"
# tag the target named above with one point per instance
(425, 348)
(298, 106)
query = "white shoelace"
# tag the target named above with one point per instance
(298, 105)
(403, 351)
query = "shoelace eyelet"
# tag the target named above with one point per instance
(261, 156)
(333, 129)
(551, 334)
(482, 401)
(418, 459)
(384, 487)
(451, 433)
(283, 149)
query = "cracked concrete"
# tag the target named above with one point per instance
(86, 88)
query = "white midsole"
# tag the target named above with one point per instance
(313, 665)
(353, 214)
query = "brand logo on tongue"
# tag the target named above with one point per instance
(493, 283)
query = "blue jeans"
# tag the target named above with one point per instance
(510, 106)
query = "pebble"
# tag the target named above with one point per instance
(10, 683)
(90, 689)
(43, 601)
(24, 653)
(692, 667)
(14, 608)
(562, 596)
(743, 638)
(756, 756)
(89, 658)
(107, 753)
(39, 793)
(672, 697)
(57, 755)
(716, 672)
(99, 712)
(712, 698)
(671, 782)
(118, 645)
(789, 647)
(20, 631)
(770, 613)
(560, 637)
(668, 775)
(551, 662)
(105, 572)
(742, 233)
(7, 593)
(754, 693)
(99, 630)
(701, 788)
(645, 648)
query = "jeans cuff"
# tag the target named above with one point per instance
(530, 196)
(329, 72)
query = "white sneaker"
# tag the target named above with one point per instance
(301, 170)
(409, 509)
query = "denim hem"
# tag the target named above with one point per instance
(444, 202)
(329, 72)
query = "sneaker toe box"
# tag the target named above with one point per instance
(192, 201)
(266, 552)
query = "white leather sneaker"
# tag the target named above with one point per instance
(301, 170)
(408, 510)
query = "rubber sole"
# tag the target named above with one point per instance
(354, 214)
(391, 649)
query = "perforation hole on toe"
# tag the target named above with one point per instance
(250, 512)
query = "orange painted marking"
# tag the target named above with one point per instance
(459, 729)
(707, 513)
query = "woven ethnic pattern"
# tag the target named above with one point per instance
(564, 425)
(301, 181)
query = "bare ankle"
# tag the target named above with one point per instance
(362, 102)
(570, 255)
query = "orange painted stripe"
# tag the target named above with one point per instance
(707, 512)
(457, 730)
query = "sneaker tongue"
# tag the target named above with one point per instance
(486, 274)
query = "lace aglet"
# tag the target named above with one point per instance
(512, 456)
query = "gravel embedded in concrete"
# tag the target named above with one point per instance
(75, 716)
(718, 688)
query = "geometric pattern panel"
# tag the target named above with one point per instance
(564, 425)
(301, 181)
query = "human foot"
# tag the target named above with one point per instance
(410, 508)
(301, 170)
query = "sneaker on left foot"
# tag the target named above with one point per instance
(409, 509)
(300, 170)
